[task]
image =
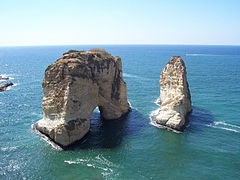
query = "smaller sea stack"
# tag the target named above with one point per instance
(175, 98)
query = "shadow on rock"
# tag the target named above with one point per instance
(106, 134)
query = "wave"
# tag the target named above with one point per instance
(224, 128)
(154, 113)
(198, 55)
(98, 162)
(157, 101)
(10, 76)
(225, 124)
(5, 76)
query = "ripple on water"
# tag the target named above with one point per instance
(99, 162)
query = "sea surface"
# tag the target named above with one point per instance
(128, 148)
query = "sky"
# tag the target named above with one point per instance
(70, 22)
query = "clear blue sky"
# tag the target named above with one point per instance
(57, 22)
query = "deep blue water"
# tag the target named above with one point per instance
(129, 148)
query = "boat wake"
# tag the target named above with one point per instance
(203, 55)
(208, 55)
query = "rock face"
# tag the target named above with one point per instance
(74, 86)
(175, 98)
(4, 86)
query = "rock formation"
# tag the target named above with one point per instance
(4, 86)
(74, 86)
(175, 98)
(3, 78)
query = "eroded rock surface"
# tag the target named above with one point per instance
(175, 98)
(74, 86)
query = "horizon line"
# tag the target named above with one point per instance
(36, 45)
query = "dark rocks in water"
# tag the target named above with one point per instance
(4, 78)
(4, 86)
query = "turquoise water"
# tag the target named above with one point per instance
(129, 148)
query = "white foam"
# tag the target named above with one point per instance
(225, 124)
(10, 87)
(135, 76)
(152, 117)
(209, 55)
(201, 55)
(71, 162)
(229, 129)
(154, 113)
(99, 162)
(4, 75)
(157, 101)
(90, 165)
(9, 148)
(224, 128)
(130, 75)
(129, 104)
(96, 109)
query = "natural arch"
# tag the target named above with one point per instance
(74, 86)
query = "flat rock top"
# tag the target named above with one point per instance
(93, 55)
(84, 64)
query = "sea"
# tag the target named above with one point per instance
(130, 147)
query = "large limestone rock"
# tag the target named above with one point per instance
(74, 86)
(175, 98)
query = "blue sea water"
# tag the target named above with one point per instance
(129, 148)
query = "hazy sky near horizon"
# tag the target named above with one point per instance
(57, 22)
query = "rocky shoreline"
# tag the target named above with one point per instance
(3, 78)
(5, 85)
